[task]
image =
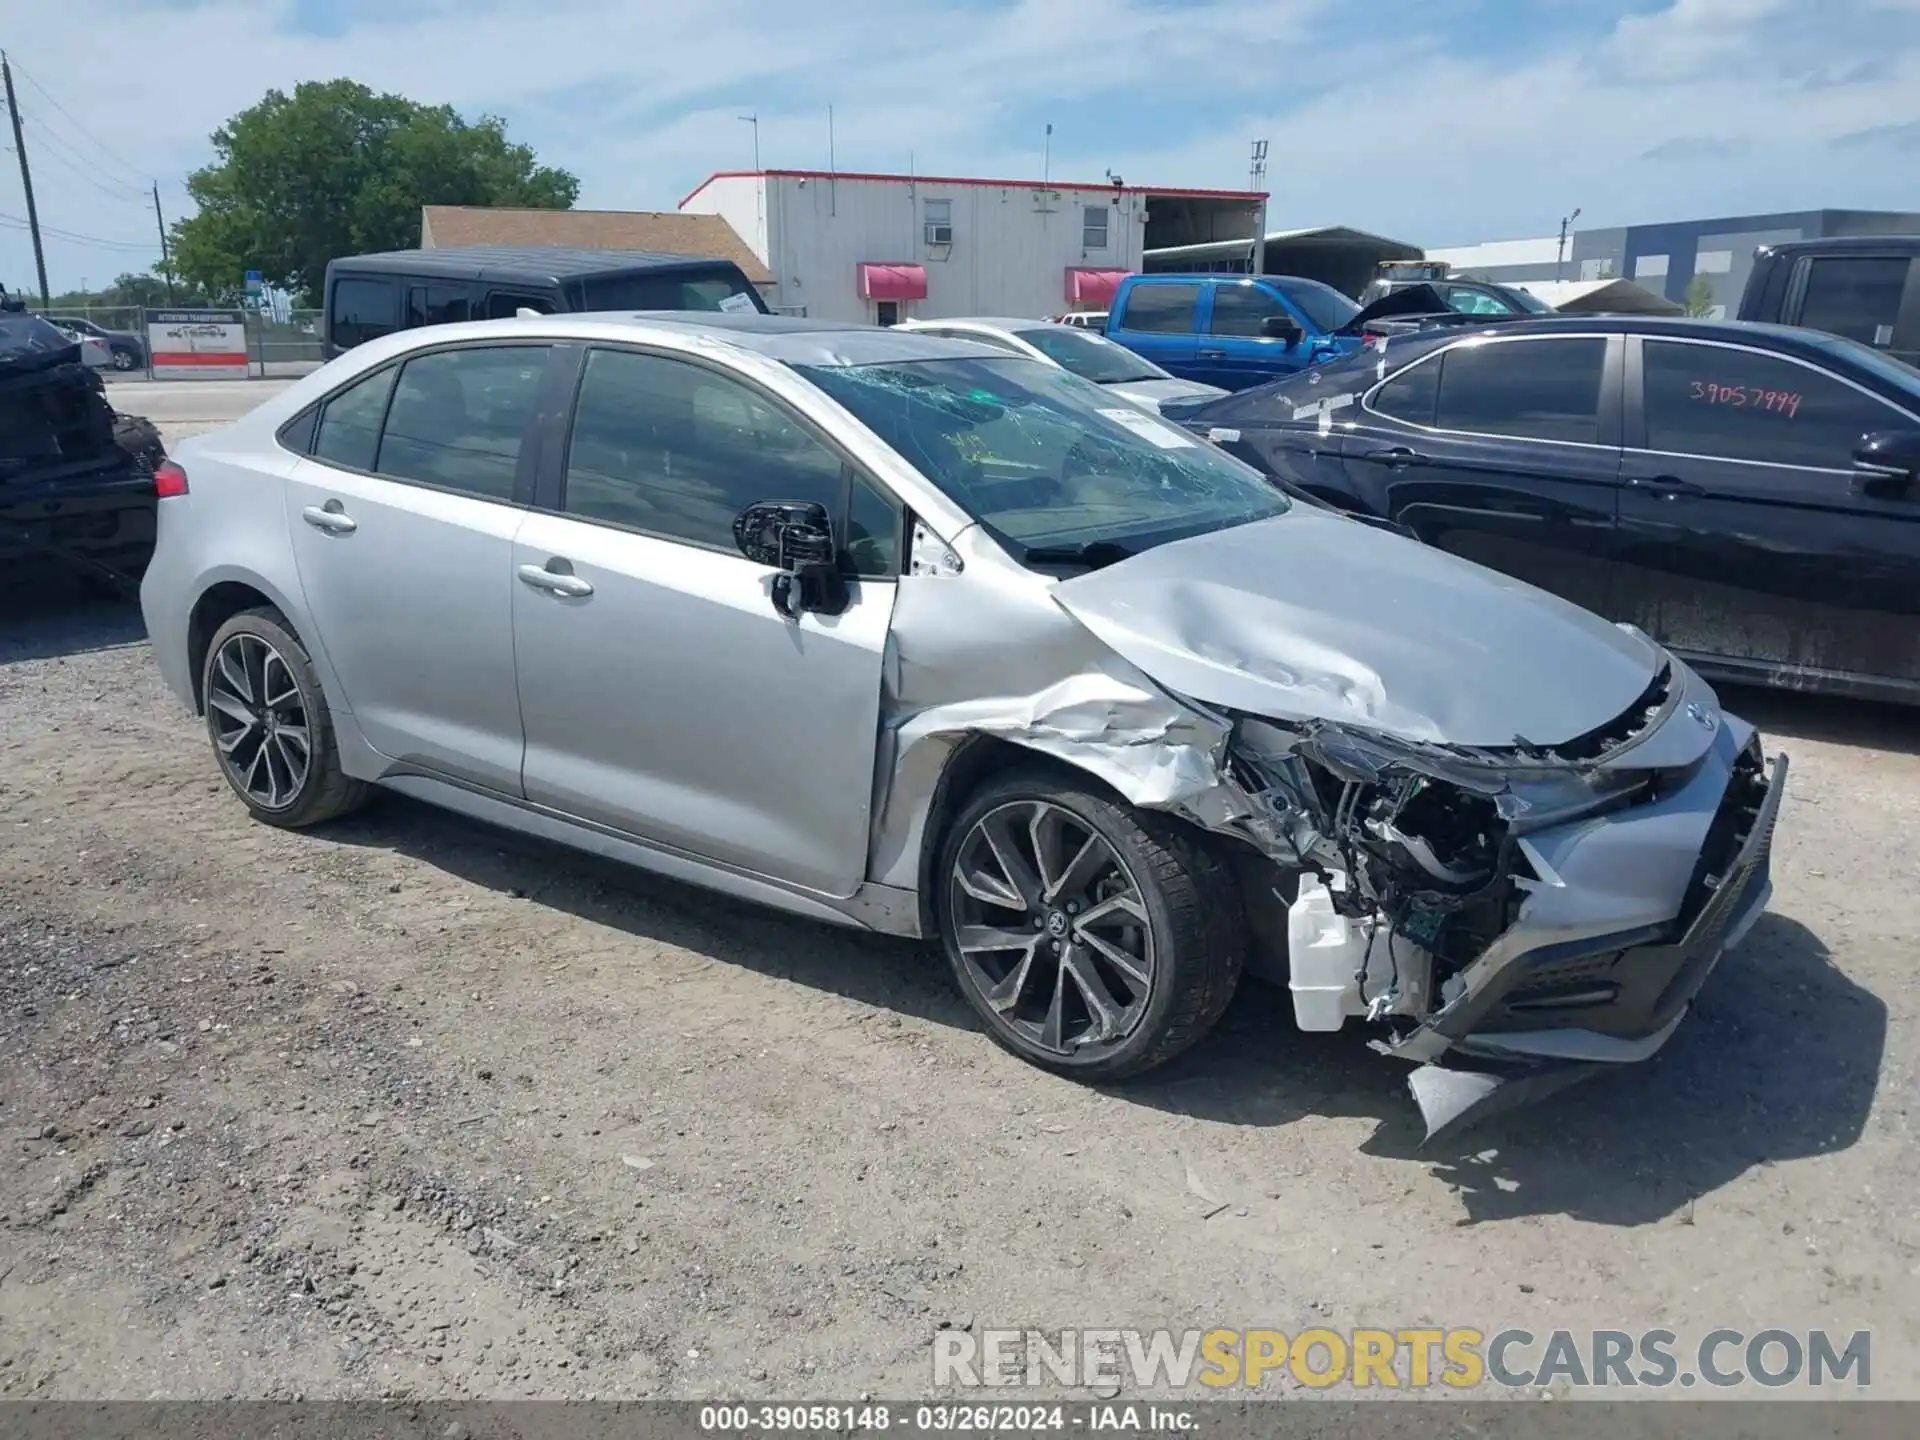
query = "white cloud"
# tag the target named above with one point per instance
(1397, 120)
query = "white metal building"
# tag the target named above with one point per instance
(870, 247)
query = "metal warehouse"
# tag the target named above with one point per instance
(884, 248)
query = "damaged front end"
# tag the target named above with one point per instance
(1511, 919)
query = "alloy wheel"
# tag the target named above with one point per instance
(122, 360)
(1051, 927)
(259, 722)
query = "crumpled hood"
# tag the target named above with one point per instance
(1151, 394)
(1310, 615)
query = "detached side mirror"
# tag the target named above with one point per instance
(1886, 463)
(1279, 327)
(795, 537)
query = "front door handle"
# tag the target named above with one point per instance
(556, 582)
(1213, 354)
(1666, 487)
(330, 518)
(1397, 457)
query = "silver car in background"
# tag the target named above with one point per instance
(1084, 353)
(916, 635)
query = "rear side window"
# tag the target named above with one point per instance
(1737, 405)
(1547, 389)
(1161, 309)
(349, 434)
(1857, 296)
(362, 310)
(458, 416)
(1411, 395)
(438, 305)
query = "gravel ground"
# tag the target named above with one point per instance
(410, 1106)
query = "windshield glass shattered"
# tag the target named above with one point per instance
(1091, 357)
(1055, 468)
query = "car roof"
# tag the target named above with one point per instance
(1843, 244)
(551, 263)
(1009, 323)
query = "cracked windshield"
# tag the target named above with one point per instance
(1050, 465)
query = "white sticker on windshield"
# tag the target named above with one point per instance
(1148, 428)
(1223, 435)
(737, 304)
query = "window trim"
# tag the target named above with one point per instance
(524, 464)
(1635, 432)
(851, 470)
(1609, 414)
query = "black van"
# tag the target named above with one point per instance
(373, 295)
(1865, 287)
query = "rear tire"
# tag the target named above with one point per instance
(1094, 940)
(271, 730)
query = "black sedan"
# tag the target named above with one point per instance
(1748, 495)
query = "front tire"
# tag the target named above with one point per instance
(1094, 940)
(271, 730)
(123, 360)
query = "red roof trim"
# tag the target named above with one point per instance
(1102, 187)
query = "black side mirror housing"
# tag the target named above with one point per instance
(1279, 327)
(795, 537)
(1886, 463)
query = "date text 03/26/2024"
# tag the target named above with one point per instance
(947, 1418)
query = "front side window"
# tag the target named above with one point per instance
(1091, 357)
(1469, 301)
(1244, 309)
(1547, 389)
(1732, 404)
(1093, 227)
(363, 310)
(1054, 467)
(678, 450)
(457, 418)
(1325, 306)
(349, 434)
(1161, 309)
(1857, 296)
(724, 288)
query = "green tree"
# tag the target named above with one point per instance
(335, 169)
(1699, 299)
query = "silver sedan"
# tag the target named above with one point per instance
(914, 635)
(1089, 355)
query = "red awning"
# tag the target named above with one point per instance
(1092, 287)
(885, 280)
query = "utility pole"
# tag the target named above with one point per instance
(166, 261)
(26, 183)
(1560, 255)
(1257, 180)
(754, 121)
(1046, 156)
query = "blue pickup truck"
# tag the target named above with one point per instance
(1234, 331)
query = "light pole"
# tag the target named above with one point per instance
(1560, 255)
(754, 121)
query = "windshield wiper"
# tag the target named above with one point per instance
(1094, 554)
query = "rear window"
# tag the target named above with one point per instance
(362, 310)
(719, 289)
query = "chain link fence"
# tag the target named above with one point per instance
(281, 346)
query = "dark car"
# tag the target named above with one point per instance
(128, 349)
(368, 296)
(1865, 287)
(77, 480)
(1748, 495)
(1468, 297)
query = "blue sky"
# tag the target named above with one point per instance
(1435, 121)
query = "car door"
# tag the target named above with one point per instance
(1744, 533)
(1503, 450)
(402, 519)
(1161, 320)
(662, 693)
(1234, 354)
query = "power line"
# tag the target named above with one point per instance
(99, 144)
(56, 148)
(14, 222)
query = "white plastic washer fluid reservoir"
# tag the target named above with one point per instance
(1324, 951)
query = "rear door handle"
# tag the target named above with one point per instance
(556, 582)
(330, 518)
(1397, 457)
(1667, 487)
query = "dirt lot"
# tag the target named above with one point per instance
(409, 1106)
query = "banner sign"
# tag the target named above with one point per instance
(198, 344)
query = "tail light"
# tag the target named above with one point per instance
(169, 480)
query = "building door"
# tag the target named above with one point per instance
(887, 312)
